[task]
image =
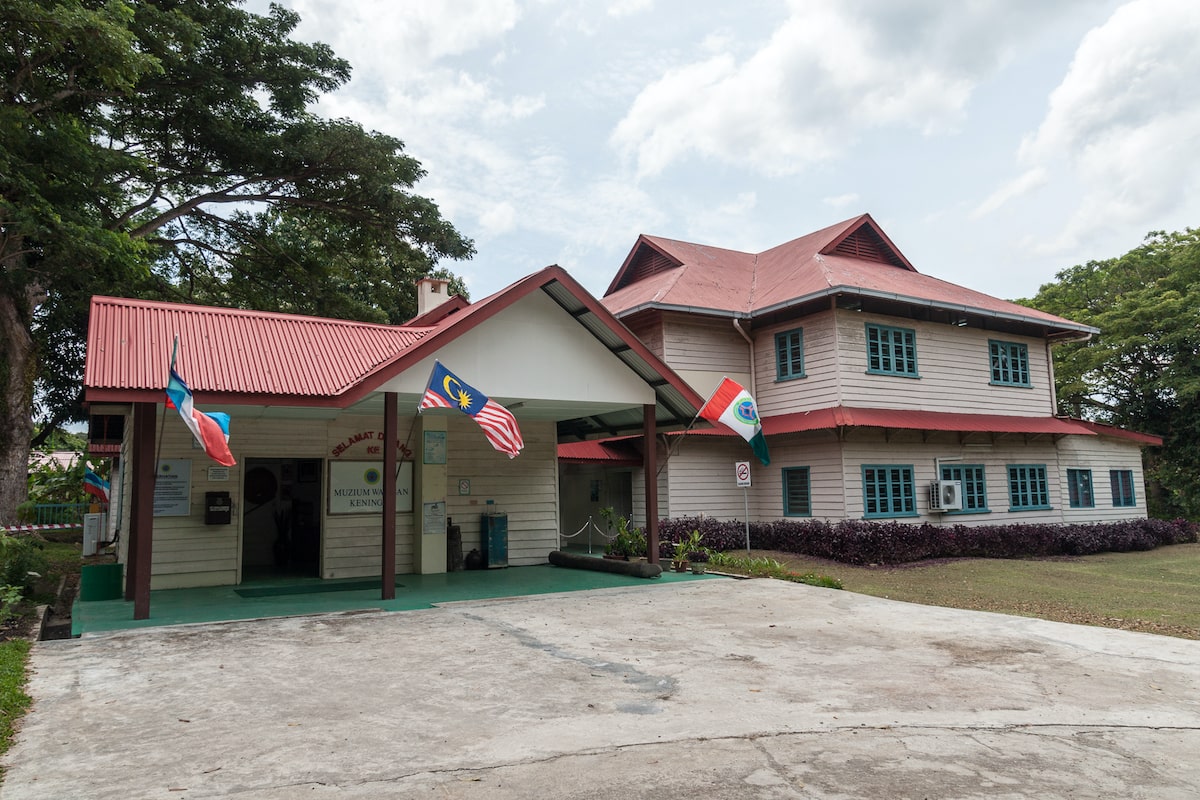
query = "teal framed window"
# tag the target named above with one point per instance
(789, 354)
(974, 486)
(891, 351)
(888, 491)
(1010, 363)
(1122, 488)
(1079, 488)
(1028, 489)
(797, 492)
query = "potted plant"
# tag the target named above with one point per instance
(698, 560)
(684, 548)
(629, 543)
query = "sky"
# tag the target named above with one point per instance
(996, 142)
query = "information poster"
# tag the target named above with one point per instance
(173, 488)
(356, 487)
(433, 518)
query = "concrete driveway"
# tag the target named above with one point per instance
(716, 689)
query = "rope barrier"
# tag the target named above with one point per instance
(590, 522)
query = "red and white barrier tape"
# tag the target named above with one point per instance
(31, 528)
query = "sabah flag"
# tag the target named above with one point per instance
(732, 406)
(445, 390)
(210, 430)
(93, 484)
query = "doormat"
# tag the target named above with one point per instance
(308, 588)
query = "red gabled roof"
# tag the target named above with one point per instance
(232, 351)
(252, 357)
(852, 257)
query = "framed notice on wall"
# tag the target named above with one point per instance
(356, 487)
(173, 488)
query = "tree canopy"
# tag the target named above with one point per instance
(166, 149)
(1142, 371)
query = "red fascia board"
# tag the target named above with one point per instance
(1122, 433)
(204, 398)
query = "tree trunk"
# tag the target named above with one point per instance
(18, 367)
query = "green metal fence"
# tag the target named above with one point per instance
(59, 513)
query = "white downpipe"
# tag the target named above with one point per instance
(737, 326)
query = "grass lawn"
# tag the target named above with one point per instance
(13, 700)
(1153, 592)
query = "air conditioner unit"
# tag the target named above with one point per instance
(945, 496)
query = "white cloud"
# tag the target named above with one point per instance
(385, 37)
(829, 73)
(841, 200)
(1018, 186)
(1125, 121)
(626, 8)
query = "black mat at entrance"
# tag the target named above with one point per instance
(308, 588)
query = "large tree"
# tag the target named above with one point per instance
(165, 148)
(1142, 371)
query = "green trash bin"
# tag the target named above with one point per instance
(101, 582)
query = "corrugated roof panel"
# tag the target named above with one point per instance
(231, 351)
(716, 281)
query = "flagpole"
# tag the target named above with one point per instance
(684, 433)
(162, 424)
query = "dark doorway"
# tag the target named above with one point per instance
(281, 518)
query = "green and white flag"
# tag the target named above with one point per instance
(732, 406)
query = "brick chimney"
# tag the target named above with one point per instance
(431, 293)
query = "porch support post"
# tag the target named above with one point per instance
(141, 522)
(650, 469)
(390, 430)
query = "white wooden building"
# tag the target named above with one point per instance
(314, 403)
(873, 382)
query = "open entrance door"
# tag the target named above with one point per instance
(281, 518)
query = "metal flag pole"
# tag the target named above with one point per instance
(746, 499)
(163, 422)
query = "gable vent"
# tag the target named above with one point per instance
(647, 262)
(864, 243)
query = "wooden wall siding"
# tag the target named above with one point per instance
(954, 366)
(638, 517)
(822, 454)
(703, 480)
(649, 329)
(819, 387)
(189, 553)
(869, 447)
(525, 488)
(701, 344)
(1101, 454)
(351, 542)
(185, 551)
(126, 496)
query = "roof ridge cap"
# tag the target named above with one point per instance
(196, 308)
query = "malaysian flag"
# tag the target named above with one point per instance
(445, 390)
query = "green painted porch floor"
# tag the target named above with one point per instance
(291, 597)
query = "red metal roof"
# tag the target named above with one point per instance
(713, 280)
(843, 416)
(232, 351)
(253, 357)
(847, 417)
(613, 452)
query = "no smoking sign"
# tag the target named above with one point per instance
(742, 472)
